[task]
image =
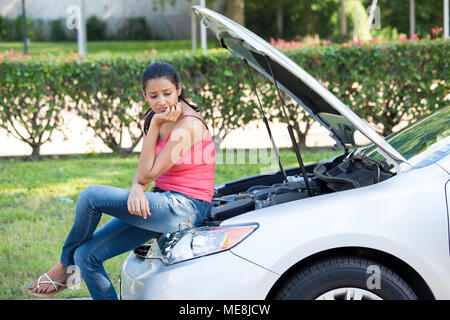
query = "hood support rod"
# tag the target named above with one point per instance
(263, 115)
(291, 132)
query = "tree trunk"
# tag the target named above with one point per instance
(279, 18)
(217, 141)
(412, 18)
(36, 151)
(218, 6)
(302, 142)
(194, 22)
(343, 22)
(24, 27)
(235, 11)
(300, 135)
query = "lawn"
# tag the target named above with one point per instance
(97, 47)
(34, 224)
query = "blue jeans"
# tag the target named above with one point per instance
(170, 211)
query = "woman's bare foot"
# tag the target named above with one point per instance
(57, 273)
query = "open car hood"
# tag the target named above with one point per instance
(318, 101)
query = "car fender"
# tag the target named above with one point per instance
(405, 216)
(444, 163)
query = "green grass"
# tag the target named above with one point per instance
(34, 224)
(98, 47)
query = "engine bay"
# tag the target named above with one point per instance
(264, 190)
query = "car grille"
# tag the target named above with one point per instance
(142, 251)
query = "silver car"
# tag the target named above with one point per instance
(372, 223)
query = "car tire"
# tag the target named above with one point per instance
(345, 278)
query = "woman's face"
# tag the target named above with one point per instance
(161, 93)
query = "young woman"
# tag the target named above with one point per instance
(177, 154)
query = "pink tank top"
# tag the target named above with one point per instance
(193, 174)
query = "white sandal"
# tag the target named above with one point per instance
(57, 290)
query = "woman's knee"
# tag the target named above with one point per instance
(90, 194)
(85, 258)
(90, 191)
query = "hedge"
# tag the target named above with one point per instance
(384, 84)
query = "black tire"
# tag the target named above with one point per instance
(330, 274)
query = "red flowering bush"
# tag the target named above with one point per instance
(286, 45)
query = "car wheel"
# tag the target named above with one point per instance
(345, 278)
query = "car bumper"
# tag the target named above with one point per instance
(220, 276)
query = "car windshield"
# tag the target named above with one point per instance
(422, 143)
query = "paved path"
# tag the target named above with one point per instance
(78, 138)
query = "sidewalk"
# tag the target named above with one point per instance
(78, 139)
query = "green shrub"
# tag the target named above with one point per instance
(12, 29)
(57, 32)
(34, 29)
(38, 30)
(31, 100)
(384, 84)
(95, 28)
(104, 90)
(134, 29)
(6, 29)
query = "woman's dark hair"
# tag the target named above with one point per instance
(159, 70)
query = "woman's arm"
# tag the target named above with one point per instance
(181, 140)
(184, 135)
(148, 154)
(136, 183)
(137, 201)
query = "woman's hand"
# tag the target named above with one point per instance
(137, 202)
(171, 114)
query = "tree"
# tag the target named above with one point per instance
(235, 10)
(395, 15)
(293, 19)
(31, 102)
(279, 17)
(24, 23)
(343, 22)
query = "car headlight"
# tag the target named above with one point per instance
(197, 242)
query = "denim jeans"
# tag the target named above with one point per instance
(170, 211)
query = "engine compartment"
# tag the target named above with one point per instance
(264, 190)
